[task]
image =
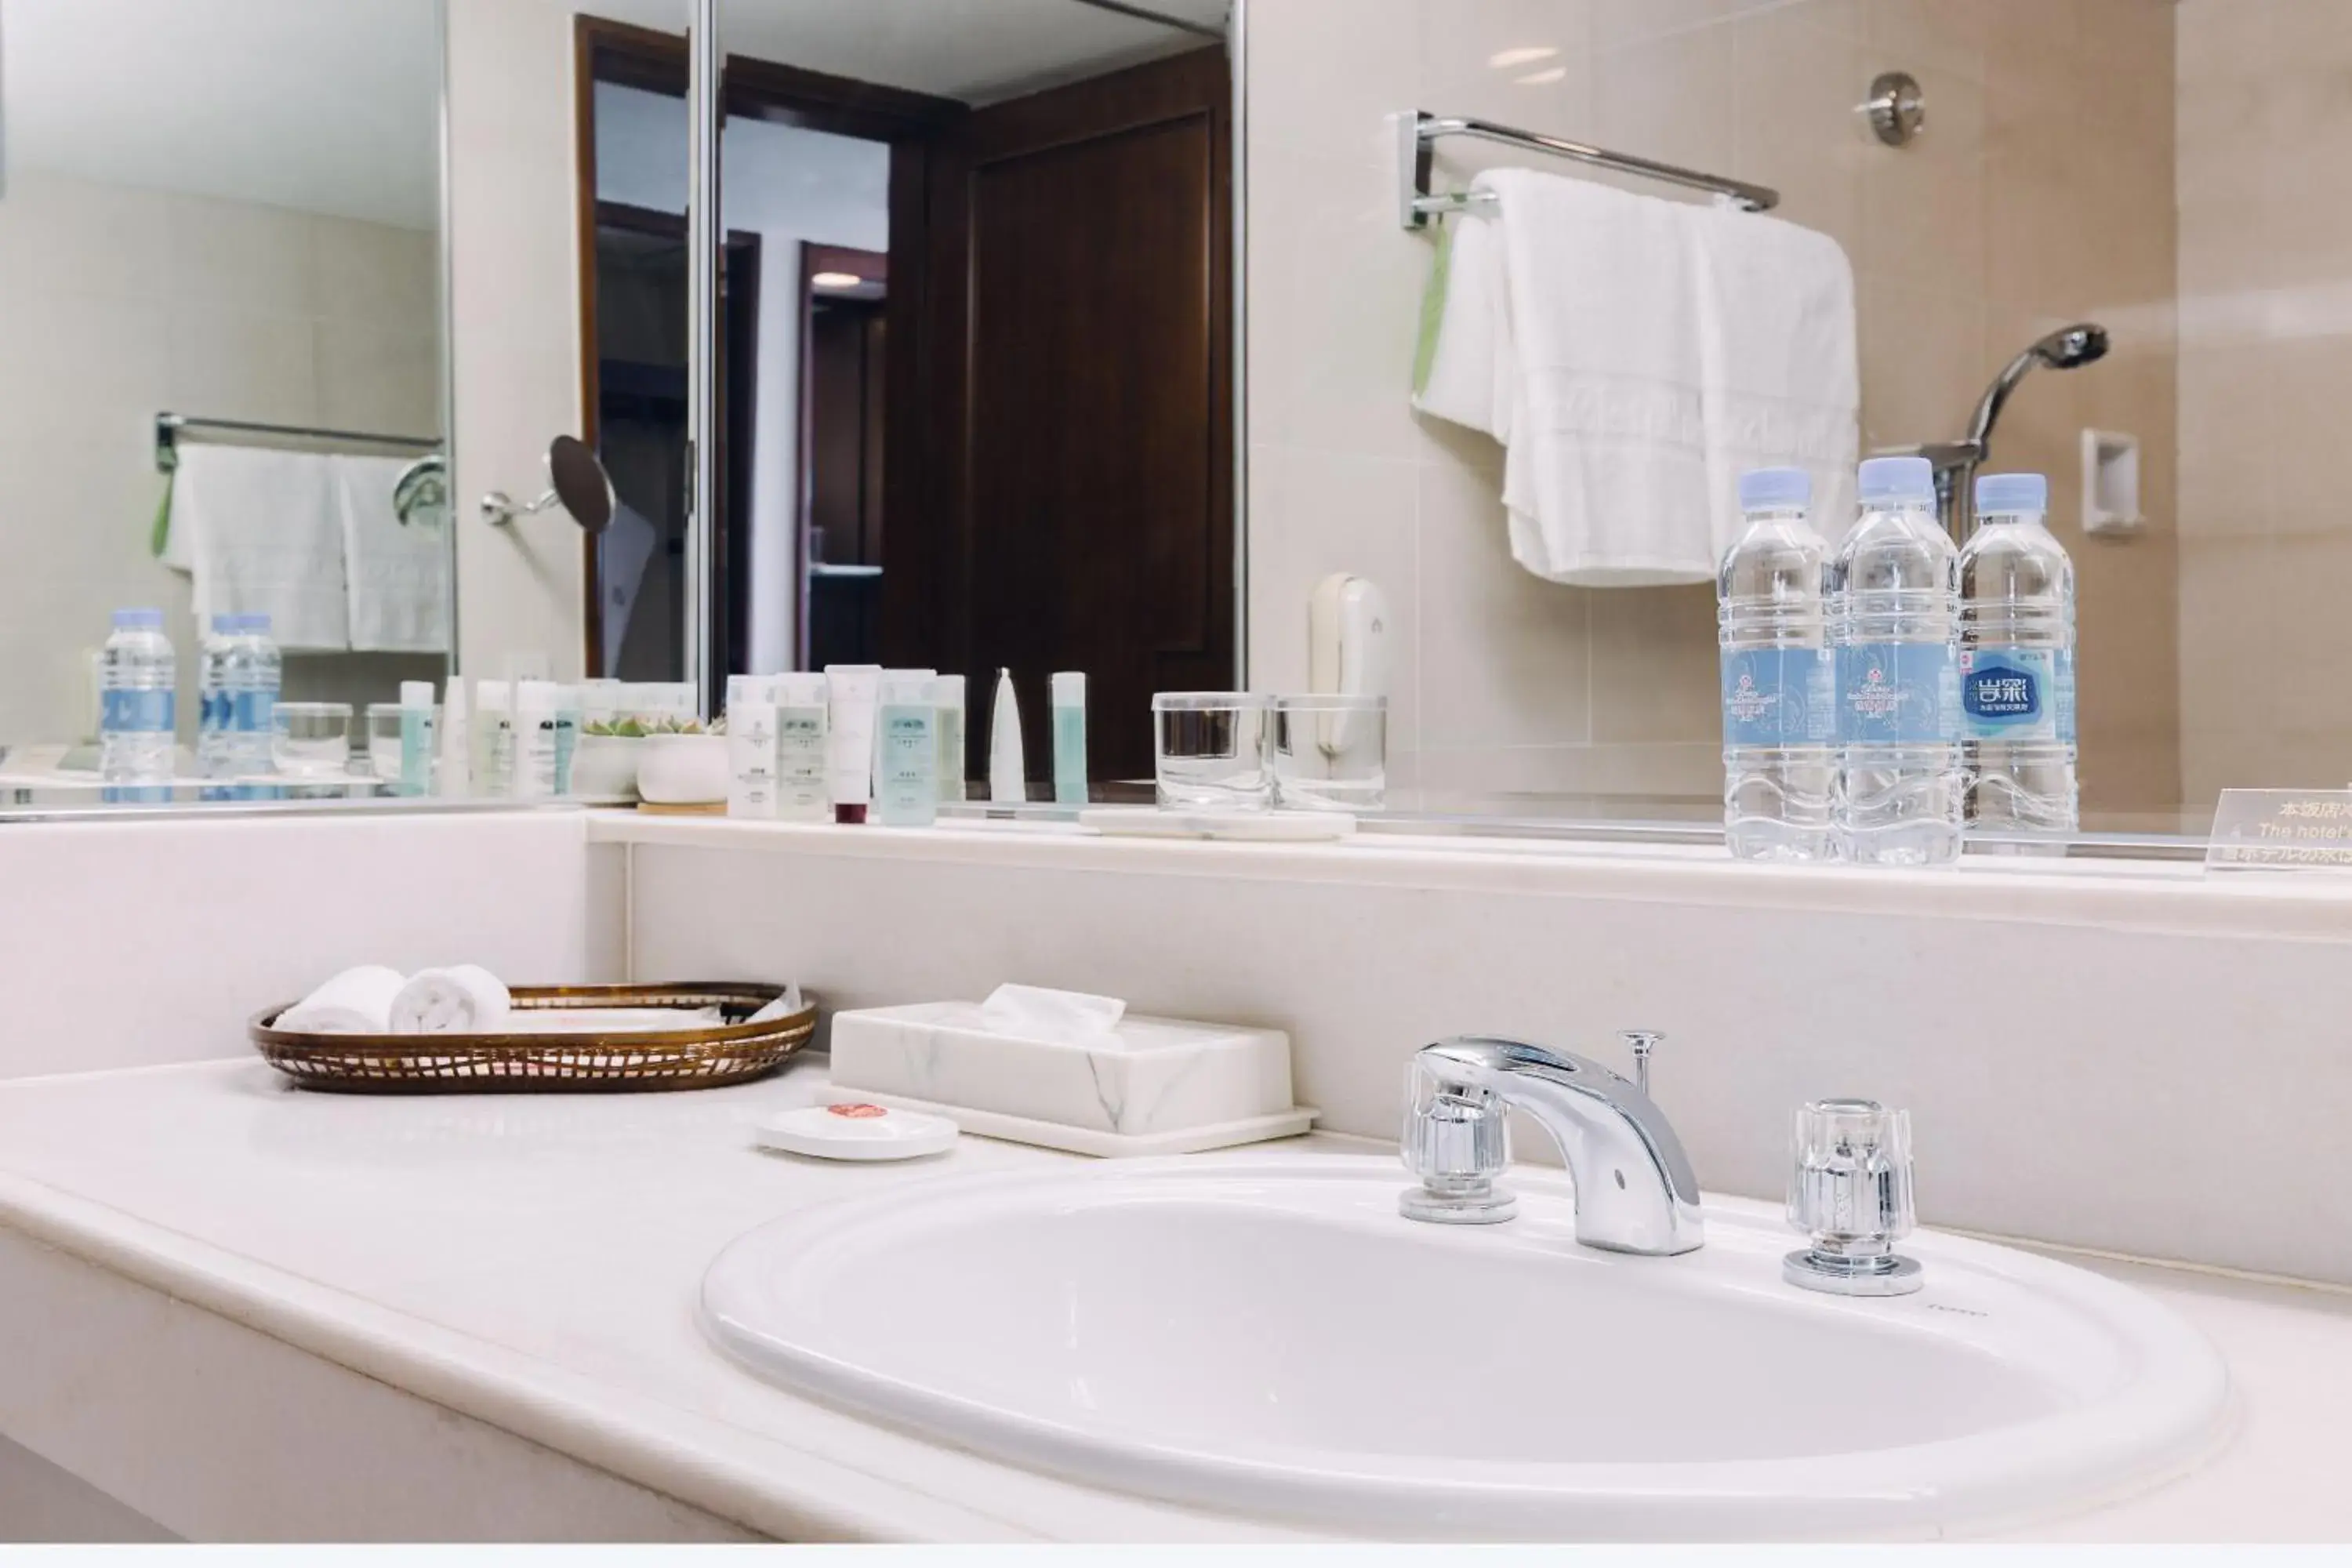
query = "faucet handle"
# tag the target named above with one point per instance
(1457, 1141)
(1642, 1042)
(1850, 1190)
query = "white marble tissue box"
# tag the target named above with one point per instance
(1148, 1076)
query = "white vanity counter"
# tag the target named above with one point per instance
(523, 1270)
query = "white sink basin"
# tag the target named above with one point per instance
(1268, 1337)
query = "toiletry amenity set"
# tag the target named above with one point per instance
(858, 743)
(1884, 698)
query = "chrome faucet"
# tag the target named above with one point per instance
(1956, 462)
(1634, 1188)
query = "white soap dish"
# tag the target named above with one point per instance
(1145, 1086)
(1248, 827)
(1102, 1145)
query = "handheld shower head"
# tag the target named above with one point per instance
(2069, 346)
(2065, 349)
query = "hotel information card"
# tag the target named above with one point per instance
(2282, 829)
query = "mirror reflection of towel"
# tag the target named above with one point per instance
(627, 549)
(258, 531)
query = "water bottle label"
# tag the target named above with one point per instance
(251, 712)
(2018, 693)
(129, 711)
(1778, 697)
(1898, 694)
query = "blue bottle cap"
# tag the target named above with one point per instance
(130, 620)
(2001, 495)
(1775, 488)
(1895, 479)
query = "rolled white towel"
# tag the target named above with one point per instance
(462, 999)
(356, 1002)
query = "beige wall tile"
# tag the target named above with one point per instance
(1670, 97)
(1923, 205)
(1503, 653)
(240, 256)
(1654, 665)
(1520, 62)
(1922, 363)
(1324, 73)
(64, 237)
(1796, 70)
(1926, 37)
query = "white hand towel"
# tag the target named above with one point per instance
(462, 999)
(1776, 319)
(356, 1002)
(1037, 1013)
(1473, 371)
(1634, 355)
(1605, 472)
(258, 531)
(397, 572)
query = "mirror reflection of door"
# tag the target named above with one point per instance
(845, 317)
(997, 429)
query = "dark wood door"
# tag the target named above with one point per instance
(1079, 508)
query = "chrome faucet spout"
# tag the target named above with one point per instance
(1636, 1191)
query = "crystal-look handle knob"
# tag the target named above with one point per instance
(1849, 1192)
(1456, 1142)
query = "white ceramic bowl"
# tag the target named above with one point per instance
(604, 767)
(683, 770)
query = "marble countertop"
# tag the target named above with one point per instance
(533, 1262)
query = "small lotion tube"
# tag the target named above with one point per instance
(493, 738)
(534, 741)
(1069, 689)
(457, 743)
(907, 758)
(1008, 769)
(751, 748)
(852, 692)
(803, 792)
(416, 737)
(948, 691)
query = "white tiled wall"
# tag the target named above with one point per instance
(118, 304)
(2039, 195)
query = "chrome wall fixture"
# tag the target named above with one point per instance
(1896, 107)
(1417, 128)
(170, 427)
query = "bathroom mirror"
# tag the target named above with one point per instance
(221, 347)
(973, 353)
(2168, 174)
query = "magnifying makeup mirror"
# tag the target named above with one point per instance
(580, 485)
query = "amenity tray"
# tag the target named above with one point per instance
(700, 1057)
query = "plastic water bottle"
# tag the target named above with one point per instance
(138, 682)
(213, 703)
(1895, 624)
(2017, 663)
(252, 675)
(1780, 760)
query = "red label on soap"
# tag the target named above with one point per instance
(862, 1112)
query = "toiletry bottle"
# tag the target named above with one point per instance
(1069, 693)
(907, 782)
(851, 692)
(567, 735)
(457, 773)
(1007, 769)
(416, 737)
(493, 739)
(534, 740)
(801, 792)
(949, 691)
(751, 748)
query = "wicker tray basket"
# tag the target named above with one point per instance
(701, 1057)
